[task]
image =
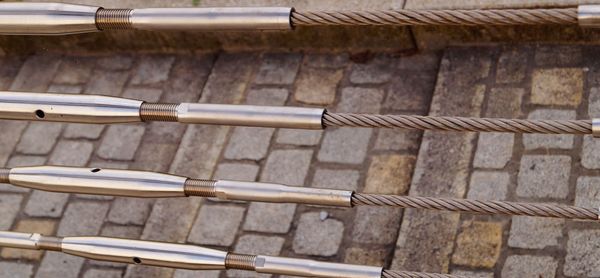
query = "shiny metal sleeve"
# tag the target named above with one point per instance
(19, 240)
(277, 193)
(212, 19)
(311, 268)
(68, 108)
(46, 19)
(145, 252)
(588, 15)
(98, 181)
(596, 128)
(251, 115)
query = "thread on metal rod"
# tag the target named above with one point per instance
(113, 19)
(4, 173)
(200, 188)
(458, 123)
(165, 112)
(437, 17)
(475, 206)
(50, 243)
(239, 261)
(409, 274)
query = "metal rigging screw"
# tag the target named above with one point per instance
(192, 257)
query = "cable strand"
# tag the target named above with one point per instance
(409, 274)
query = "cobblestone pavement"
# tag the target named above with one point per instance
(521, 81)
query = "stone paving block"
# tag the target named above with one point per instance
(107, 82)
(594, 103)
(121, 142)
(115, 62)
(345, 145)
(590, 153)
(13, 269)
(188, 77)
(249, 143)
(130, 211)
(473, 274)
(534, 141)
(278, 68)
(494, 150)
(39, 138)
(558, 86)
(145, 94)
(184, 273)
(389, 174)
(411, 91)
(46, 204)
(583, 255)
(9, 140)
(478, 245)
(488, 185)
(527, 266)
(43, 75)
(162, 226)
(74, 70)
(535, 232)
(374, 225)
(236, 171)
(322, 60)
(299, 137)
(199, 141)
(504, 102)
(56, 264)
(267, 96)
(587, 192)
(544, 176)
(216, 225)
(143, 271)
(83, 131)
(376, 71)
(18, 161)
(71, 153)
(360, 100)
(229, 78)
(287, 166)
(419, 62)
(256, 244)
(318, 86)
(44, 227)
(82, 218)
(9, 206)
(395, 140)
(155, 157)
(317, 237)
(152, 69)
(270, 218)
(103, 273)
(511, 66)
(336, 179)
(558, 55)
(357, 255)
(65, 89)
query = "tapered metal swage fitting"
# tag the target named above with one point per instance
(149, 184)
(189, 256)
(105, 110)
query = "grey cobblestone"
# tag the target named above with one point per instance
(65, 89)
(13, 269)
(39, 138)
(345, 145)
(115, 62)
(494, 150)
(374, 225)
(594, 103)
(107, 83)
(9, 206)
(544, 176)
(71, 153)
(365, 256)
(121, 142)
(183, 273)
(47, 204)
(56, 264)
(236, 171)
(267, 96)
(473, 274)
(534, 141)
(336, 179)
(270, 218)
(130, 211)
(587, 192)
(249, 143)
(43, 75)
(395, 140)
(145, 94)
(216, 225)
(83, 131)
(152, 69)
(419, 62)
(511, 67)
(504, 102)
(360, 100)
(9, 140)
(278, 69)
(376, 71)
(318, 86)
(488, 185)
(535, 232)
(280, 163)
(103, 273)
(82, 218)
(583, 254)
(411, 91)
(299, 137)
(318, 237)
(526, 266)
(74, 70)
(590, 153)
(318, 60)
(558, 55)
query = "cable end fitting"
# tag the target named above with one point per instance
(588, 16)
(596, 127)
(4, 175)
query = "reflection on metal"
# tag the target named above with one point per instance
(588, 15)
(596, 128)
(46, 19)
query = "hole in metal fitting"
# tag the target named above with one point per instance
(137, 260)
(95, 170)
(40, 114)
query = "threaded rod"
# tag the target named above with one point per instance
(4, 173)
(113, 19)
(238, 261)
(409, 274)
(200, 188)
(165, 112)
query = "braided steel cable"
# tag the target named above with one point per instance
(437, 17)
(409, 274)
(458, 123)
(484, 207)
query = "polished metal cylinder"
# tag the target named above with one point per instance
(68, 108)
(19, 240)
(278, 193)
(212, 19)
(46, 19)
(588, 15)
(145, 252)
(99, 181)
(251, 115)
(596, 128)
(311, 268)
